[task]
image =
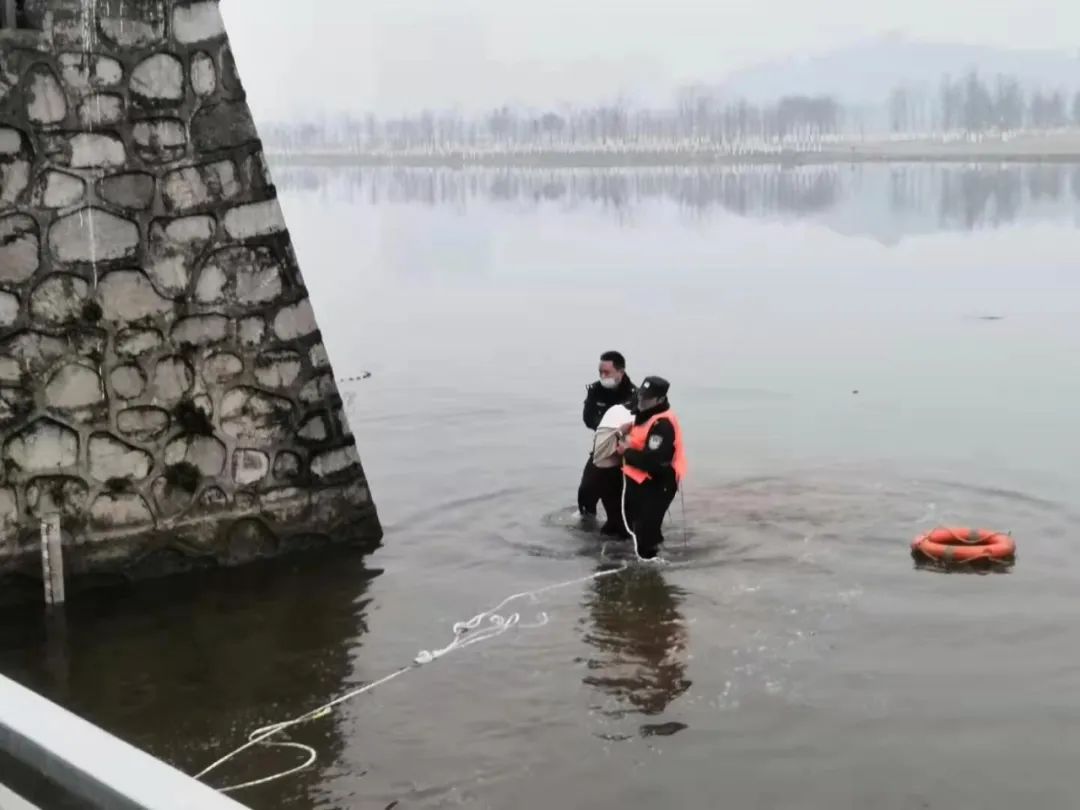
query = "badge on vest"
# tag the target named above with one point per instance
(655, 442)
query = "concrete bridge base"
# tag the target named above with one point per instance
(164, 386)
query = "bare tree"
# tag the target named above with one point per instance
(899, 110)
(1009, 103)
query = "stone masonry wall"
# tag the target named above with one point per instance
(163, 383)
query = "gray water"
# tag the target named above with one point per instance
(791, 656)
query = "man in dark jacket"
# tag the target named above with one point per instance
(599, 483)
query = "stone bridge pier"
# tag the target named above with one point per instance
(163, 383)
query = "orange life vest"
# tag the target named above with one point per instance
(636, 441)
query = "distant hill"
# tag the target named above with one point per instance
(867, 72)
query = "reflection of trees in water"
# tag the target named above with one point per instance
(301, 179)
(639, 637)
(973, 198)
(956, 197)
(1045, 182)
(804, 190)
(1076, 183)
(907, 189)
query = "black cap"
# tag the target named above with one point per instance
(654, 387)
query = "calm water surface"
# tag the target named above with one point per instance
(791, 656)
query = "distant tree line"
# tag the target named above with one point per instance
(698, 117)
(975, 104)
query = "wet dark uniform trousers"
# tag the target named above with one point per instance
(647, 502)
(646, 506)
(603, 484)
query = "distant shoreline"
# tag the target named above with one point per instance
(1061, 147)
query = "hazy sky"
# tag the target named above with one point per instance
(401, 55)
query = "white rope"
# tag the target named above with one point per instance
(633, 536)
(626, 523)
(482, 627)
(682, 499)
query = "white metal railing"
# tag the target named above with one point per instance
(50, 758)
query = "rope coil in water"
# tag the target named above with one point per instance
(483, 626)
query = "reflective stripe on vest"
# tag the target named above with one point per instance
(636, 441)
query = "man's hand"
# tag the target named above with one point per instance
(624, 430)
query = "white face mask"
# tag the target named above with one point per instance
(609, 382)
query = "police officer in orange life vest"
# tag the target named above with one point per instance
(654, 464)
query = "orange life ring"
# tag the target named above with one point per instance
(950, 544)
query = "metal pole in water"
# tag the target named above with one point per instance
(7, 18)
(52, 560)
